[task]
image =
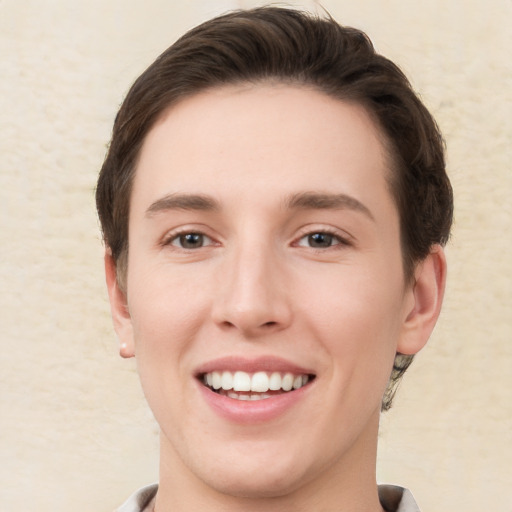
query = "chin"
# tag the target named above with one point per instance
(255, 484)
(252, 472)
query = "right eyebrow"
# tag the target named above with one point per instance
(183, 202)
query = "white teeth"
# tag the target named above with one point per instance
(249, 397)
(216, 380)
(275, 381)
(287, 383)
(259, 382)
(239, 383)
(227, 380)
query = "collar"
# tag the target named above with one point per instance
(392, 498)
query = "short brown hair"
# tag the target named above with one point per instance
(289, 46)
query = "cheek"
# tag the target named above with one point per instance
(166, 316)
(167, 310)
(357, 317)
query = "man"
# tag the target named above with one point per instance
(274, 204)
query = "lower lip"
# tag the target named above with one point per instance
(252, 411)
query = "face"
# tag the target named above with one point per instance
(265, 289)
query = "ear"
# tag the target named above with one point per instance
(119, 308)
(427, 297)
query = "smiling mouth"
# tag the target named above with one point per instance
(261, 385)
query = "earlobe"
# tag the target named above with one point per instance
(119, 308)
(427, 291)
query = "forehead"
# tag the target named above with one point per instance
(252, 138)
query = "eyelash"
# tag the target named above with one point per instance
(179, 237)
(340, 241)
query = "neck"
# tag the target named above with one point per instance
(347, 484)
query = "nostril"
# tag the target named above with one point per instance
(228, 325)
(267, 325)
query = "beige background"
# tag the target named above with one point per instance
(75, 432)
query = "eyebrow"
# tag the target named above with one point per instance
(326, 201)
(299, 201)
(183, 202)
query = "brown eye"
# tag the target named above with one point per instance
(321, 240)
(191, 241)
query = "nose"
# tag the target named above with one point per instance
(252, 296)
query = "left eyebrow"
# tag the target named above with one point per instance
(183, 202)
(325, 201)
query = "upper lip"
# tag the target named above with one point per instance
(253, 365)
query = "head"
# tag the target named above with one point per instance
(280, 46)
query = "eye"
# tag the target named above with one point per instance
(321, 240)
(190, 241)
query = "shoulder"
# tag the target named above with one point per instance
(138, 501)
(397, 499)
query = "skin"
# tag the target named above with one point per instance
(257, 285)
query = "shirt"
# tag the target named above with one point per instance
(392, 498)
